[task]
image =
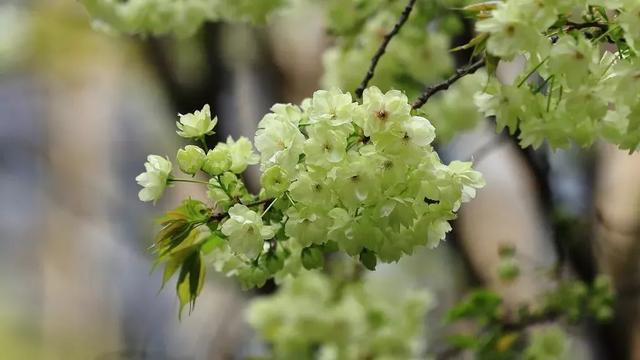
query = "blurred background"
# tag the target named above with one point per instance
(80, 110)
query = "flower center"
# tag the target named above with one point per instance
(381, 114)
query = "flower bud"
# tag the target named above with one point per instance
(217, 161)
(190, 159)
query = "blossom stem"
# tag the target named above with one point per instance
(223, 187)
(269, 207)
(444, 85)
(259, 202)
(383, 47)
(290, 199)
(535, 68)
(188, 181)
(204, 143)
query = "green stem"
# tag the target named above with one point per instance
(258, 202)
(293, 203)
(269, 207)
(550, 92)
(224, 188)
(204, 143)
(535, 68)
(612, 28)
(188, 181)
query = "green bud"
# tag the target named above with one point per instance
(506, 250)
(190, 159)
(312, 258)
(602, 284)
(508, 269)
(369, 259)
(232, 183)
(217, 161)
(252, 277)
(604, 313)
(197, 124)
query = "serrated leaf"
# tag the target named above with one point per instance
(482, 305)
(170, 228)
(211, 243)
(477, 40)
(170, 268)
(181, 238)
(483, 6)
(190, 210)
(190, 281)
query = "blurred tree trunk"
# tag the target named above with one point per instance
(617, 235)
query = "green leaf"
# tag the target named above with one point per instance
(508, 269)
(172, 235)
(272, 262)
(482, 305)
(369, 259)
(211, 243)
(312, 258)
(482, 6)
(169, 269)
(463, 341)
(191, 210)
(190, 281)
(476, 41)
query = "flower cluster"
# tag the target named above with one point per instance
(181, 17)
(580, 81)
(361, 26)
(337, 175)
(312, 317)
(452, 112)
(155, 179)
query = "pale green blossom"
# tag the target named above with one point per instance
(154, 180)
(190, 159)
(196, 125)
(246, 231)
(218, 160)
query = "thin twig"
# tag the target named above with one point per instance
(258, 202)
(578, 26)
(383, 47)
(436, 88)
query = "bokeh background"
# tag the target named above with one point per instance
(79, 111)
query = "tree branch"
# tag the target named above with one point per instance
(383, 47)
(429, 91)
(506, 326)
(579, 26)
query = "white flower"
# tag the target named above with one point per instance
(197, 124)
(154, 180)
(242, 154)
(420, 131)
(246, 231)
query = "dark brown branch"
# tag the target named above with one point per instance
(383, 47)
(259, 202)
(578, 26)
(434, 89)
